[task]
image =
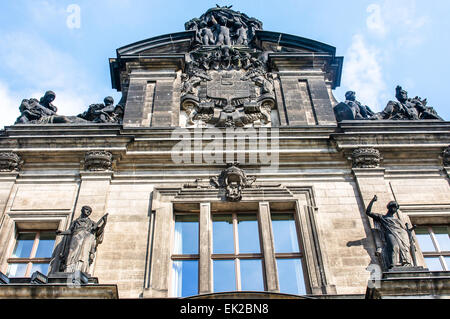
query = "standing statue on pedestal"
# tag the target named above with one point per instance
(397, 244)
(81, 241)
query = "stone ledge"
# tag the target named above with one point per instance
(27, 291)
(416, 284)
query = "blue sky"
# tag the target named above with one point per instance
(384, 42)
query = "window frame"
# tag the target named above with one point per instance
(237, 256)
(31, 260)
(182, 257)
(438, 253)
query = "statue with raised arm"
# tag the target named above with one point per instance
(81, 241)
(396, 250)
(407, 109)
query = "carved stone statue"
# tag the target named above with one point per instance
(81, 241)
(397, 244)
(223, 26)
(104, 113)
(43, 112)
(407, 109)
(352, 109)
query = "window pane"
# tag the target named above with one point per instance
(16, 270)
(24, 245)
(224, 275)
(185, 278)
(251, 275)
(433, 264)
(290, 276)
(285, 233)
(424, 239)
(443, 240)
(186, 234)
(42, 268)
(447, 261)
(248, 234)
(223, 239)
(46, 244)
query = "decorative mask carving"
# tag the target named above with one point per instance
(233, 180)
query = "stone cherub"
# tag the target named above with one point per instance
(397, 250)
(80, 242)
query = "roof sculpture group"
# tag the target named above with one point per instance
(403, 109)
(226, 83)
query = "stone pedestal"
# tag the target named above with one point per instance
(410, 284)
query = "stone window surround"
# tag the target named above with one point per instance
(17, 223)
(166, 201)
(246, 256)
(420, 215)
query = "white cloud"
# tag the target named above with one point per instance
(375, 22)
(33, 67)
(363, 73)
(399, 17)
(9, 106)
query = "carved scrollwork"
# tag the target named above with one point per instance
(98, 161)
(366, 158)
(10, 162)
(223, 26)
(446, 157)
(227, 87)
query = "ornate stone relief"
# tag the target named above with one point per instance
(366, 158)
(10, 162)
(227, 87)
(223, 26)
(233, 180)
(98, 161)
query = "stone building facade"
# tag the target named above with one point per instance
(225, 130)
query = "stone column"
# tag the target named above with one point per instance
(160, 270)
(7, 182)
(205, 267)
(270, 261)
(153, 99)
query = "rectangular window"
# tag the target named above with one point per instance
(288, 254)
(434, 242)
(237, 257)
(32, 252)
(185, 256)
